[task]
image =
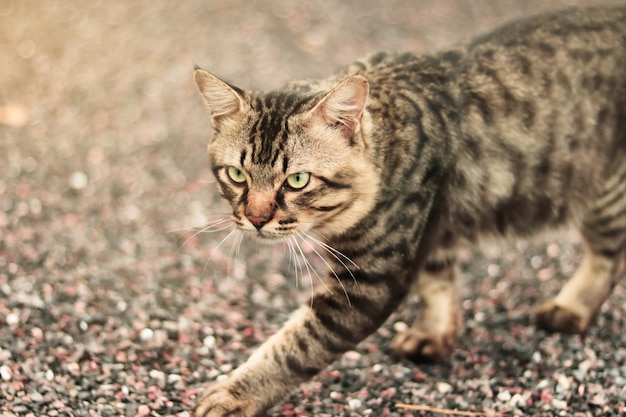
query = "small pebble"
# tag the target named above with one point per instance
(518, 401)
(209, 341)
(336, 395)
(5, 373)
(146, 334)
(78, 180)
(12, 319)
(504, 396)
(400, 326)
(444, 387)
(355, 403)
(143, 411)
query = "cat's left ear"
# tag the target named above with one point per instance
(342, 108)
(222, 99)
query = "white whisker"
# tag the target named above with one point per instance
(293, 260)
(238, 253)
(211, 227)
(338, 255)
(228, 236)
(310, 268)
(332, 271)
(234, 247)
(201, 226)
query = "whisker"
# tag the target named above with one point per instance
(202, 225)
(238, 253)
(211, 227)
(293, 260)
(228, 236)
(233, 247)
(335, 254)
(310, 269)
(332, 271)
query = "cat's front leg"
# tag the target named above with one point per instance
(273, 370)
(316, 335)
(432, 335)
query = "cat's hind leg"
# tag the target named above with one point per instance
(432, 335)
(604, 232)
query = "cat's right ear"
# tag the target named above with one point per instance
(222, 99)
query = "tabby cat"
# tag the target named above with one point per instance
(397, 160)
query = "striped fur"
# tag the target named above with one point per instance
(408, 157)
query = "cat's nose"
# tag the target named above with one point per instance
(257, 221)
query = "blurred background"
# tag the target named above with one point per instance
(109, 301)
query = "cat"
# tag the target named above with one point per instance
(398, 159)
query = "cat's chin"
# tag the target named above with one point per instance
(267, 238)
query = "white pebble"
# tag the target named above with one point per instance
(354, 403)
(504, 396)
(536, 357)
(5, 355)
(78, 180)
(553, 250)
(564, 382)
(518, 401)
(536, 261)
(209, 341)
(544, 383)
(493, 270)
(335, 395)
(173, 378)
(156, 374)
(400, 326)
(36, 397)
(560, 404)
(444, 387)
(146, 334)
(12, 319)
(5, 373)
(352, 355)
(598, 400)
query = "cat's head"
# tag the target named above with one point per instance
(292, 160)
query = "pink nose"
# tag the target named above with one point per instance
(257, 221)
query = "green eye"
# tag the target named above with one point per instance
(299, 180)
(236, 175)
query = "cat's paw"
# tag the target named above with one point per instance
(221, 400)
(419, 346)
(556, 318)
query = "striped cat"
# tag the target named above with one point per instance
(397, 160)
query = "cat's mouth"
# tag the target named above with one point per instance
(266, 237)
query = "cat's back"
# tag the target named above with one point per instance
(567, 47)
(596, 24)
(543, 118)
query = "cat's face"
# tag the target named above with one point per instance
(290, 163)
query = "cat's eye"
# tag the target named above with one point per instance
(236, 175)
(299, 180)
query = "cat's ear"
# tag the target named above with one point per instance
(342, 108)
(222, 99)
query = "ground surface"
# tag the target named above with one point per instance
(107, 308)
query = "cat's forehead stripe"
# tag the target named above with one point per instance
(270, 129)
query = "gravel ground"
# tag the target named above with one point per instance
(111, 305)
